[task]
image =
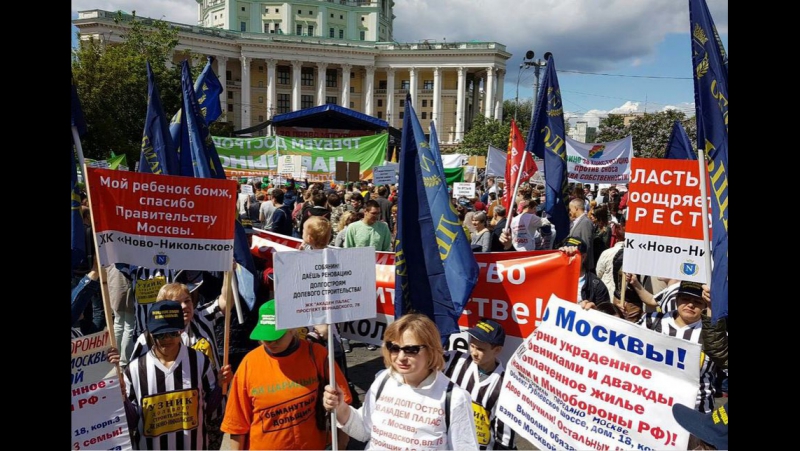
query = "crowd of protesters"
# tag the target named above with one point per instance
(356, 215)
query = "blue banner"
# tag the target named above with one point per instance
(435, 268)
(159, 155)
(710, 64)
(679, 146)
(546, 141)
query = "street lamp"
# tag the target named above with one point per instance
(537, 66)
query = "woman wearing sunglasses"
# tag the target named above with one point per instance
(412, 404)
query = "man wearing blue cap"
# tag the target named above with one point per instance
(171, 388)
(480, 372)
(706, 428)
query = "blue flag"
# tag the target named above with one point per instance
(78, 234)
(679, 146)
(435, 268)
(199, 158)
(546, 141)
(159, 155)
(710, 64)
(207, 90)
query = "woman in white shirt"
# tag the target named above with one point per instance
(412, 404)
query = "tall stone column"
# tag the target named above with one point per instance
(498, 111)
(245, 119)
(346, 85)
(297, 66)
(437, 100)
(461, 107)
(369, 91)
(412, 88)
(489, 93)
(222, 65)
(390, 95)
(272, 91)
(321, 83)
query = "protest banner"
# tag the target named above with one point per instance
(162, 221)
(384, 175)
(664, 233)
(289, 164)
(335, 285)
(98, 413)
(513, 292)
(588, 380)
(464, 189)
(607, 162)
(259, 156)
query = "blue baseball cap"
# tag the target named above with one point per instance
(165, 316)
(488, 331)
(711, 427)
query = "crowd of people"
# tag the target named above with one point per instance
(279, 394)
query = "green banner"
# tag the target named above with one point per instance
(259, 156)
(453, 175)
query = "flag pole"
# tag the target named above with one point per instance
(701, 161)
(332, 382)
(516, 188)
(77, 139)
(226, 291)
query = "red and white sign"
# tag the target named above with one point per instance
(513, 292)
(162, 221)
(664, 232)
(588, 380)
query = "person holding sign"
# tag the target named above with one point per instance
(412, 402)
(274, 400)
(172, 387)
(481, 373)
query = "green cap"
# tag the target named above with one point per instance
(265, 329)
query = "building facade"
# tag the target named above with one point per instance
(278, 57)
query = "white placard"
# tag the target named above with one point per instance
(384, 175)
(290, 164)
(324, 286)
(462, 189)
(102, 164)
(247, 189)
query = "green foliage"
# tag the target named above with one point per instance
(483, 133)
(111, 79)
(649, 132)
(523, 113)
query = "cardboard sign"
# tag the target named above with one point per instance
(289, 164)
(324, 286)
(247, 189)
(464, 189)
(384, 175)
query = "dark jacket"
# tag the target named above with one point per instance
(715, 340)
(594, 290)
(282, 221)
(497, 246)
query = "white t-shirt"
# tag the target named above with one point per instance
(524, 229)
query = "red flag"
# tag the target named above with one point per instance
(516, 146)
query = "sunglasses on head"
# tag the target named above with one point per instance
(409, 350)
(174, 334)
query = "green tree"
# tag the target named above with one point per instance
(111, 79)
(523, 112)
(483, 133)
(649, 132)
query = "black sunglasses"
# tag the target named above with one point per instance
(174, 334)
(409, 350)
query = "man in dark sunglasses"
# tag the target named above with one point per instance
(480, 372)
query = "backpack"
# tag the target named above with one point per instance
(297, 216)
(447, 397)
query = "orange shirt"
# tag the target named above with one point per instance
(272, 399)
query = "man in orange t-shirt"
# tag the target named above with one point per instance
(272, 401)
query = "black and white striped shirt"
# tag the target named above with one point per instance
(667, 298)
(665, 323)
(170, 401)
(462, 370)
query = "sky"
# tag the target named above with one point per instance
(611, 56)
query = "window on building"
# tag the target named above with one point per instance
(277, 29)
(362, 18)
(306, 101)
(266, 10)
(299, 30)
(341, 17)
(352, 90)
(382, 84)
(266, 28)
(260, 84)
(380, 114)
(243, 26)
(299, 11)
(331, 15)
(310, 13)
(228, 74)
(424, 103)
(283, 103)
(427, 84)
(402, 103)
(283, 75)
(230, 95)
(307, 76)
(402, 114)
(380, 102)
(260, 99)
(311, 30)
(405, 84)
(242, 8)
(277, 10)
(261, 68)
(331, 100)
(341, 34)
(424, 115)
(260, 118)
(352, 105)
(331, 78)
(331, 33)
(230, 108)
